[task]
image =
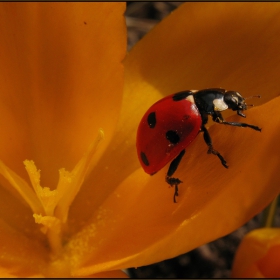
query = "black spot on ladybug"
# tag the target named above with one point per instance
(144, 159)
(172, 136)
(152, 120)
(181, 95)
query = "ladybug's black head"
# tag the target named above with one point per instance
(235, 102)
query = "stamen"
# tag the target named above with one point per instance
(70, 183)
(52, 227)
(22, 187)
(47, 197)
(50, 207)
(47, 222)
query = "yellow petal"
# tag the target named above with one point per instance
(20, 256)
(139, 221)
(61, 80)
(199, 45)
(258, 255)
(22, 188)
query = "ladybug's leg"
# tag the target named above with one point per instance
(241, 125)
(172, 168)
(219, 119)
(208, 141)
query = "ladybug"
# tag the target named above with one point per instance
(171, 124)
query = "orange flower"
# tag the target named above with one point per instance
(64, 111)
(258, 255)
(61, 81)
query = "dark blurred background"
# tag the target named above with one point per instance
(212, 260)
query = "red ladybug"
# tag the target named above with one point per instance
(172, 123)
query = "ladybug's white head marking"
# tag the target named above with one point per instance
(190, 98)
(219, 104)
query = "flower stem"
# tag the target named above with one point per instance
(269, 213)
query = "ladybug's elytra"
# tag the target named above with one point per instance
(173, 122)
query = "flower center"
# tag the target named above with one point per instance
(50, 207)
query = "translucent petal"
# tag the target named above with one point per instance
(61, 80)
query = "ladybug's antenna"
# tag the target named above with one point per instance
(258, 96)
(252, 105)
